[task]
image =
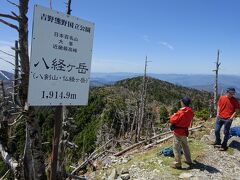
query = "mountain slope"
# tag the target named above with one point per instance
(167, 93)
(112, 111)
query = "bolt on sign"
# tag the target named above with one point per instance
(60, 59)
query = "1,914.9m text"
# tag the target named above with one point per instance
(58, 95)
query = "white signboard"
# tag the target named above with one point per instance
(60, 59)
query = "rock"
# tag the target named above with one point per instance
(104, 176)
(160, 161)
(205, 138)
(156, 171)
(114, 161)
(124, 171)
(109, 160)
(185, 176)
(125, 160)
(125, 176)
(212, 135)
(113, 175)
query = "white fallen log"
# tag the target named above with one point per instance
(9, 160)
(154, 137)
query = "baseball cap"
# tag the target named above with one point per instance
(186, 101)
(231, 90)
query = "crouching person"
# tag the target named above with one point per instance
(180, 121)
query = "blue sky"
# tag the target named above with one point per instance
(178, 36)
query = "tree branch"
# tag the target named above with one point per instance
(9, 16)
(7, 61)
(15, 15)
(154, 137)
(19, 118)
(4, 176)
(8, 159)
(13, 3)
(91, 157)
(9, 24)
(75, 177)
(7, 53)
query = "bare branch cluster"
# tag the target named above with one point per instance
(13, 3)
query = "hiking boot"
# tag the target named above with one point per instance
(223, 148)
(216, 145)
(176, 167)
(188, 163)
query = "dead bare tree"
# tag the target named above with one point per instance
(142, 104)
(16, 76)
(216, 83)
(6, 156)
(33, 156)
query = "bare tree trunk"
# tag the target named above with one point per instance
(16, 75)
(23, 42)
(133, 124)
(216, 84)
(33, 157)
(62, 145)
(27, 161)
(142, 103)
(32, 126)
(69, 6)
(4, 132)
(149, 126)
(64, 122)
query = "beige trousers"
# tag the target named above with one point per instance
(180, 142)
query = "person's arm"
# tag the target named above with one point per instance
(176, 117)
(237, 106)
(218, 107)
(217, 111)
(233, 115)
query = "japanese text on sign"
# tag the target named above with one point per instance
(60, 59)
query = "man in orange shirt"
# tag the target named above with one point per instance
(226, 111)
(180, 121)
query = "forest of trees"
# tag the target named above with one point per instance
(112, 114)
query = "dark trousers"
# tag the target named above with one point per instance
(227, 124)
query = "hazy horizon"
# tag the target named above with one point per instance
(12, 71)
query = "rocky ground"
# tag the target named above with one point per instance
(215, 164)
(209, 162)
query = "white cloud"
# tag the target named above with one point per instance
(169, 46)
(146, 38)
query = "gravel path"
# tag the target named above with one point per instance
(213, 164)
(217, 164)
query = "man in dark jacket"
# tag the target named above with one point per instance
(180, 121)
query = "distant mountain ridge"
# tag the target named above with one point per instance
(197, 81)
